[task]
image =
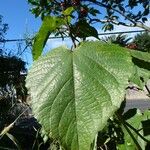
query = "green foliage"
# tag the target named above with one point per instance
(106, 12)
(142, 67)
(49, 25)
(134, 123)
(129, 144)
(82, 30)
(75, 92)
(143, 42)
(144, 56)
(72, 91)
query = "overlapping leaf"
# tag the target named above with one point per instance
(75, 92)
(48, 26)
(136, 122)
(141, 61)
(145, 56)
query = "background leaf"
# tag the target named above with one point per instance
(139, 122)
(129, 144)
(48, 26)
(141, 61)
(74, 93)
(82, 30)
(145, 56)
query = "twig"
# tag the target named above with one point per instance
(134, 23)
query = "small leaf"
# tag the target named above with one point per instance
(68, 11)
(82, 30)
(93, 11)
(49, 25)
(37, 11)
(141, 61)
(74, 93)
(33, 2)
(130, 113)
(146, 12)
(136, 78)
(108, 27)
(135, 121)
(144, 19)
(121, 8)
(146, 127)
(43, 3)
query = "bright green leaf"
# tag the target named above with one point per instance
(145, 56)
(136, 122)
(49, 25)
(136, 78)
(68, 11)
(140, 76)
(141, 61)
(75, 92)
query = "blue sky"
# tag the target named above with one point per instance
(20, 20)
(16, 14)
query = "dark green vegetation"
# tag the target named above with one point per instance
(18, 128)
(143, 41)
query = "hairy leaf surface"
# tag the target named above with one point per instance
(75, 92)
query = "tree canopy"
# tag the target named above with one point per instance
(143, 41)
(82, 18)
(132, 13)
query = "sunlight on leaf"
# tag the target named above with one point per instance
(75, 92)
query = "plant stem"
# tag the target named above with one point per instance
(73, 40)
(128, 130)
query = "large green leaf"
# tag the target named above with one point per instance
(75, 92)
(48, 26)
